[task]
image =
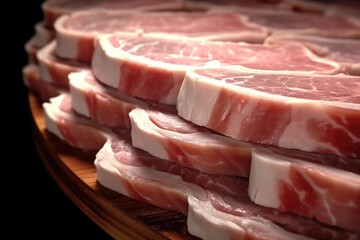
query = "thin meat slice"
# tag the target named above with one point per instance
(344, 51)
(167, 136)
(153, 68)
(53, 9)
(76, 130)
(136, 174)
(289, 182)
(305, 23)
(141, 176)
(55, 70)
(309, 112)
(216, 4)
(158, 130)
(43, 35)
(32, 81)
(37, 41)
(76, 32)
(100, 103)
(31, 50)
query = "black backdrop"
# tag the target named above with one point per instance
(35, 205)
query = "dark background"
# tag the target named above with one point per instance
(34, 205)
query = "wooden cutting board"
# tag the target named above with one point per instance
(74, 172)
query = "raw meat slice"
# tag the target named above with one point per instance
(53, 9)
(153, 68)
(337, 26)
(32, 81)
(55, 70)
(216, 4)
(309, 112)
(167, 136)
(289, 182)
(139, 175)
(76, 33)
(31, 50)
(175, 139)
(102, 104)
(76, 130)
(344, 51)
(43, 35)
(136, 174)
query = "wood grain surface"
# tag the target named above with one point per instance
(75, 173)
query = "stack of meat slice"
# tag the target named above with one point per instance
(267, 148)
(51, 79)
(154, 67)
(217, 205)
(42, 36)
(158, 129)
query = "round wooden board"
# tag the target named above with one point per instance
(120, 216)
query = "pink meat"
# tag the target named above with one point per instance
(335, 26)
(75, 130)
(55, 70)
(289, 182)
(140, 176)
(216, 4)
(309, 112)
(31, 50)
(42, 89)
(76, 33)
(137, 174)
(153, 68)
(167, 136)
(43, 35)
(344, 51)
(159, 131)
(53, 9)
(100, 103)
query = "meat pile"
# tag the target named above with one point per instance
(243, 116)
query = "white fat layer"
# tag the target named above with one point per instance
(42, 35)
(66, 48)
(144, 137)
(78, 103)
(208, 223)
(296, 135)
(43, 57)
(105, 68)
(263, 179)
(107, 175)
(66, 42)
(268, 169)
(197, 98)
(44, 73)
(50, 120)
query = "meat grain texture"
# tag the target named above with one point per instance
(244, 117)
